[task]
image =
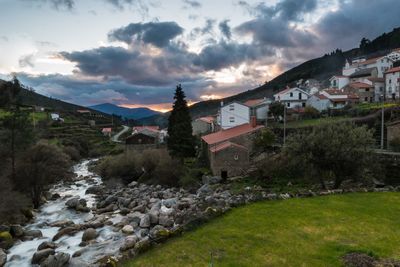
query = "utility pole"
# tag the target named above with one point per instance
(284, 123)
(383, 122)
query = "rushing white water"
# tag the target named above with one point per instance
(20, 254)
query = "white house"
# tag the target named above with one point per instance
(292, 97)
(319, 102)
(339, 81)
(339, 98)
(234, 114)
(381, 64)
(392, 81)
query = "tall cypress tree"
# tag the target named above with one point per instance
(180, 138)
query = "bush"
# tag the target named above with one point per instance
(311, 113)
(72, 152)
(265, 140)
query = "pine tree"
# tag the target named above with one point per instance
(180, 138)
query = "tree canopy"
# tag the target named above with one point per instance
(181, 142)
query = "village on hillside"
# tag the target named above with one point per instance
(228, 135)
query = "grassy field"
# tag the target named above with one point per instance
(296, 232)
(311, 122)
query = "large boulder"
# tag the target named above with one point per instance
(165, 221)
(58, 260)
(153, 214)
(89, 234)
(127, 229)
(41, 255)
(3, 258)
(130, 242)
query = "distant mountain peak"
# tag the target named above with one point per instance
(129, 113)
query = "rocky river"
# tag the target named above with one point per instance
(84, 223)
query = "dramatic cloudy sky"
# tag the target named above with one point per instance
(134, 52)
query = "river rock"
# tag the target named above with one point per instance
(89, 234)
(204, 190)
(62, 223)
(72, 203)
(55, 196)
(96, 189)
(165, 221)
(6, 240)
(66, 231)
(133, 184)
(16, 230)
(153, 214)
(127, 229)
(3, 258)
(33, 233)
(130, 242)
(159, 232)
(47, 244)
(145, 221)
(58, 260)
(143, 245)
(41, 255)
(4, 228)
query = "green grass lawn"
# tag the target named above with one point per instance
(297, 232)
(313, 122)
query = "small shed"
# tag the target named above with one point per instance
(229, 159)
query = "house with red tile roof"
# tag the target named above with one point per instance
(229, 159)
(227, 147)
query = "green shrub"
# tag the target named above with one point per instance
(311, 113)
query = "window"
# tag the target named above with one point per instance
(231, 119)
(390, 80)
(366, 89)
(231, 107)
(303, 105)
(380, 89)
(300, 96)
(291, 94)
(366, 99)
(288, 104)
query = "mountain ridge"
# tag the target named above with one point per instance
(129, 113)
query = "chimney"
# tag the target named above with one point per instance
(253, 121)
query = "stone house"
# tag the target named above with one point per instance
(229, 159)
(234, 141)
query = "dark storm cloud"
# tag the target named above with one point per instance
(224, 54)
(157, 33)
(272, 23)
(356, 19)
(192, 3)
(225, 29)
(171, 65)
